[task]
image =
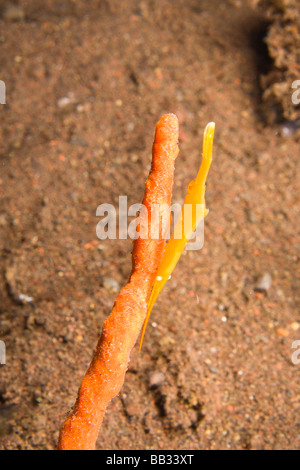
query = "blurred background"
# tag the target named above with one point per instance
(86, 83)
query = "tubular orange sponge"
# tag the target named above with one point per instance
(105, 375)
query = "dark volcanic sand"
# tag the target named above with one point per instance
(220, 351)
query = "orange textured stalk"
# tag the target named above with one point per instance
(105, 376)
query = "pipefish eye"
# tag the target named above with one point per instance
(191, 185)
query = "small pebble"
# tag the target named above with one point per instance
(289, 128)
(282, 332)
(83, 108)
(101, 247)
(66, 101)
(134, 158)
(25, 298)
(264, 283)
(295, 326)
(130, 126)
(251, 216)
(3, 220)
(156, 379)
(111, 285)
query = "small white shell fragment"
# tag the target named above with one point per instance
(25, 298)
(264, 283)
